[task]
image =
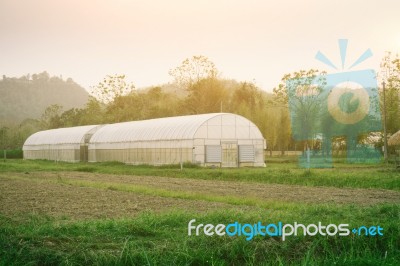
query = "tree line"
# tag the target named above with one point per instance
(196, 88)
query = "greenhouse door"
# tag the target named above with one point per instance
(229, 154)
(84, 151)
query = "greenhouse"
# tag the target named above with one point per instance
(217, 139)
(62, 144)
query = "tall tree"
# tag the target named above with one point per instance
(111, 87)
(205, 96)
(4, 137)
(51, 117)
(390, 74)
(247, 99)
(93, 112)
(141, 105)
(192, 70)
(301, 91)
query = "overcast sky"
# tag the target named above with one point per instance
(247, 40)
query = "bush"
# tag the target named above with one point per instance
(12, 154)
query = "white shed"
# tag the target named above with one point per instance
(220, 139)
(62, 144)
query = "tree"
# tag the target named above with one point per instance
(51, 117)
(192, 70)
(205, 96)
(111, 87)
(247, 99)
(71, 117)
(4, 138)
(302, 92)
(153, 103)
(93, 113)
(24, 130)
(390, 74)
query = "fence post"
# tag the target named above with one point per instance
(181, 163)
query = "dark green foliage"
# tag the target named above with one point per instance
(12, 154)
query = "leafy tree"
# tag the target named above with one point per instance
(142, 105)
(390, 74)
(4, 137)
(18, 133)
(247, 100)
(192, 70)
(93, 112)
(205, 96)
(71, 117)
(44, 76)
(111, 87)
(51, 117)
(302, 91)
(162, 104)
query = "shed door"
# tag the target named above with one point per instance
(229, 154)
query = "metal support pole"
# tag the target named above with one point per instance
(4, 144)
(181, 163)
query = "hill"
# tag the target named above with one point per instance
(28, 96)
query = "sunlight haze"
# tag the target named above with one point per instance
(247, 40)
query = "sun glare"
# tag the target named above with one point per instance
(398, 43)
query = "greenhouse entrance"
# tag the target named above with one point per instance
(84, 153)
(229, 154)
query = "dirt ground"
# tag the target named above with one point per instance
(39, 192)
(21, 196)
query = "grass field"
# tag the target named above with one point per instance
(115, 214)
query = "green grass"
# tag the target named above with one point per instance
(342, 175)
(161, 239)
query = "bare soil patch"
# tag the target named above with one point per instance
(24, 196)
(49, 197)
(286, 193)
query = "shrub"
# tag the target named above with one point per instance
(12, 154)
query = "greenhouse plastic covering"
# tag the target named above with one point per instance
(72, 135)
(176, 128)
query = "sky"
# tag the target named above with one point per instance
(250, 40)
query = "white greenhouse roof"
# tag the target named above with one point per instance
(71, 135)
(176, 128)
